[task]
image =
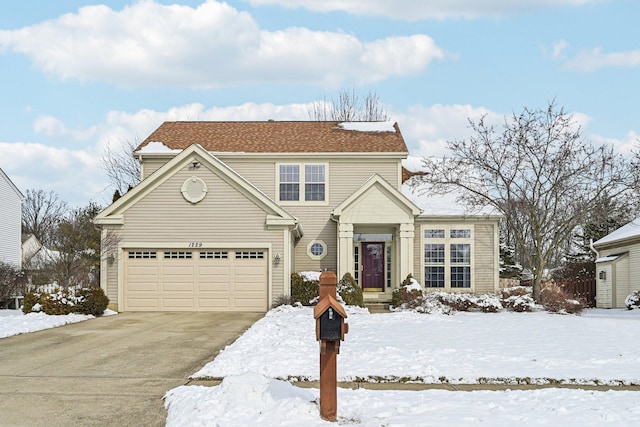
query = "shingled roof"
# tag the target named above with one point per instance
(277, 137)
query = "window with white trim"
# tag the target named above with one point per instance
(447, 257)
(317, 249)
(302, 182)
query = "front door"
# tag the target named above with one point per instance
(373, 267)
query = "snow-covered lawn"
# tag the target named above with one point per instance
(598, 347)
(14, 322)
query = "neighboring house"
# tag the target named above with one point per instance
(227, 211)
(36, 256)
(618, 265)
(10, 221)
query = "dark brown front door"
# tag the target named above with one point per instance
(373, 267)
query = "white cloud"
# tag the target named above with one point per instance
(558, 48)
(412, 10)
(77, 176)
(594, 59)
(427, 129)
(211, 45)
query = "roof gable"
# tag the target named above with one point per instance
(377, 183)
(630, 231)
(281, 137)
(11, 184)
(113, 213)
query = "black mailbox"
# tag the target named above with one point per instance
(330, 325)
(330, 315)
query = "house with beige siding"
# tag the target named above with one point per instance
(618, 265)
(227, 211)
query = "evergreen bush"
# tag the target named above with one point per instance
(633, 301)
(91, 301)
(349, 290)
(303, 290)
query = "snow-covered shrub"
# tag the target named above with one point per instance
(91, 301)
(633, 301)
(488, 303)
(518, 299)
(556, 300)
(64, 301)
(60, 302)
(519, 303)
(409, 293)
(349, 290)
(303, 290)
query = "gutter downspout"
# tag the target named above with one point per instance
(593, 248)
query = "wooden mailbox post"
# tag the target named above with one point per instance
(330, 330)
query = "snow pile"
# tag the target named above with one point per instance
(14, 322)
(253, 400)
(248, 399)
(156, 147)
(311, 275)
(387, 126)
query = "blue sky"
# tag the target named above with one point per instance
(77, 75)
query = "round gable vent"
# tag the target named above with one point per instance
(194, 190)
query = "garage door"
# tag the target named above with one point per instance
(198, 280)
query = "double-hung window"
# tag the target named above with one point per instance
(302, 182)
(447, 257)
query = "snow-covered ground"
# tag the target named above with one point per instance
(14, 322)
(598, 347)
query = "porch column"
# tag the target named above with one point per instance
(345, 249)
(406, 250)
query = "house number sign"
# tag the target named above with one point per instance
(195, 244)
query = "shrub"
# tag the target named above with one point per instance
(12, 283)
(409, 293)
(349, 290)
(633, 301)
(556, 300)
(61, 302)
(519, 303)
(30, 300)
(303, 290)
(283, 300)
(91, 301)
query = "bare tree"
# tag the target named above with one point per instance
(349, 107)
(41, 213)
(122, 169)
(538, 172)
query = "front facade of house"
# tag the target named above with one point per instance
(10, 222)
(618, 266)
(227, 211)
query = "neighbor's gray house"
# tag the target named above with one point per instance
(618, 265)
(10, 221)
(227, 211)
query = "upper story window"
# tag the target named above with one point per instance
(302, 182)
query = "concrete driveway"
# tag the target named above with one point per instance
(109, 371)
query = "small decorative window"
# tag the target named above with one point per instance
(434, 234)
(194, 189)
(456, 233)
(316, 249)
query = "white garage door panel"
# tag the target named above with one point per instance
(194, 280)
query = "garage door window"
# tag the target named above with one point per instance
(142, 255)
(250, 255)
(214, 255)
(178, 255)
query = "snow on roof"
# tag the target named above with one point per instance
(608, 258)
(156, 147)
(628, 231)
(368, 126)
(436, 204)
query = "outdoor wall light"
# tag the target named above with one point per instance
(276, 259)
(194, 165)
(111, 258)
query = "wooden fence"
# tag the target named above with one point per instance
(580, 288)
